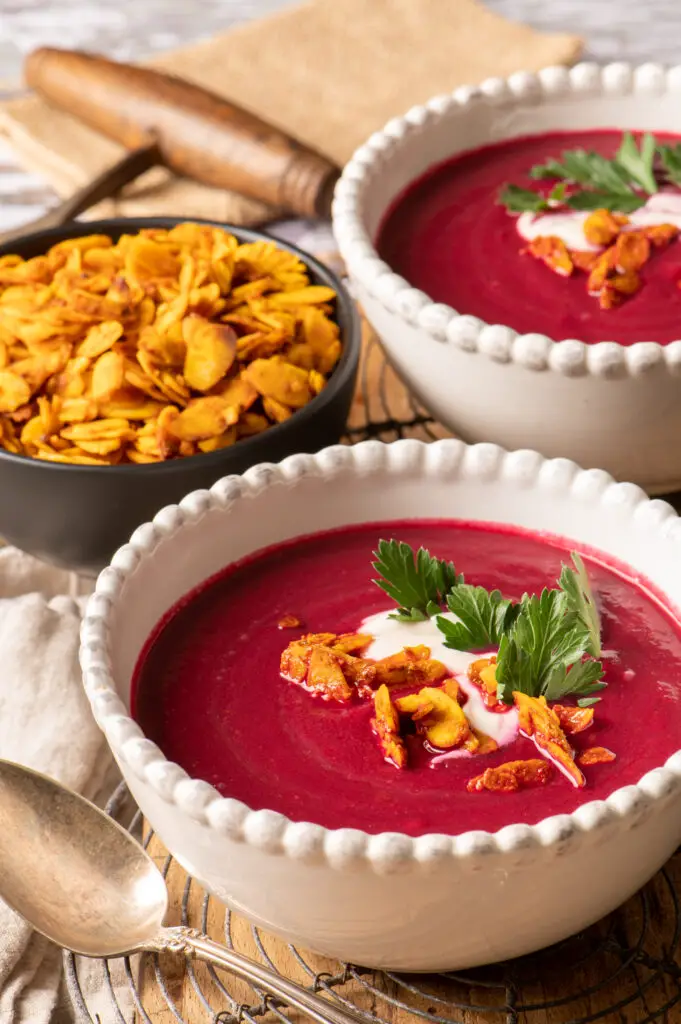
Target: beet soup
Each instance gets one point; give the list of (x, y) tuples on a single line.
[(209, 689), (491, 232)]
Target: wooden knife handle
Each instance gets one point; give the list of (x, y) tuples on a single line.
[(199, 134)]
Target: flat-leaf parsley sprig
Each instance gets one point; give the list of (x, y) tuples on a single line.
[(417, 583), (484, 617), (581, 602), (590, 181), (546, 653), (548, 644)]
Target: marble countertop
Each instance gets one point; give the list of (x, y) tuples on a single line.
[(130, 29)]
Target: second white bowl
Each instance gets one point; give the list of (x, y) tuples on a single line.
[(602, 404)]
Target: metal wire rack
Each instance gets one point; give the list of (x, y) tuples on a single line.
[(627, 969)]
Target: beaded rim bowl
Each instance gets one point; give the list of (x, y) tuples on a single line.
[(451, 359), (187, 543)]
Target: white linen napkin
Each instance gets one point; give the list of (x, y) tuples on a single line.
[(45, 723)]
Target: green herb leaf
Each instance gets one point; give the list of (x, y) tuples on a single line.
[(521, 200), (417, 583), (587, 702), (484, 617), (544, 642), (604, 184), (582, 678), (605, 201), (543, 652), (539, 630), (596, 171), (514, 671), (671, 161), (551, 169), (557, 193), (581, 602), (589, 169), (638, 164)]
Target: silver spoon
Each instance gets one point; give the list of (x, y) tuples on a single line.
[(81, 880)]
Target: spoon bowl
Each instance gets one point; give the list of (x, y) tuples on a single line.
[(76, 875)]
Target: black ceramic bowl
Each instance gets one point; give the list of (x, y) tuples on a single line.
[(77, 516)]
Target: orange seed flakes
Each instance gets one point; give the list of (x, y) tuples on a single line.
[(603, 266), (573, 720), (617, 288), (289, 622), (14, 391), (554, 252), (541, 723), (190, 337), (602, 227), (325, 675), (483, 672), (320, 663), (596, 755), (660, 235), (438, 715), (632, 251), (386, 726), (584, 260), (480, 743), (613, 269), (510, 777), (210, 351), (409, 667)]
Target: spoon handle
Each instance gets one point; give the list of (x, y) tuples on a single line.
[(322, 1011), (105, 185)]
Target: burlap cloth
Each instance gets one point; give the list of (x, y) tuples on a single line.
[(329, 72)]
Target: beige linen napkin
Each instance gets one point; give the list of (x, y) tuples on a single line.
[(45, 723), (329, 72)]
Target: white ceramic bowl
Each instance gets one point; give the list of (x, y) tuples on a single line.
[(431, 903), (603, 404)]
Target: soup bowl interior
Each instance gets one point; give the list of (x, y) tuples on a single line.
[(385, 900), (76, 516)]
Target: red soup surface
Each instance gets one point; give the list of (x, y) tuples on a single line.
[(208, 689), (447, 235)]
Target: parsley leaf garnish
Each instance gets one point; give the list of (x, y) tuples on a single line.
[(484, 617), (590, 169), (547, 643), (581, 603), (418, 583), (638, 163), (542, 654), (557, 195), (522, 200), (605, 201), (526, 659), (586, 702), (582, 678), (622, 183), (551, 169)]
